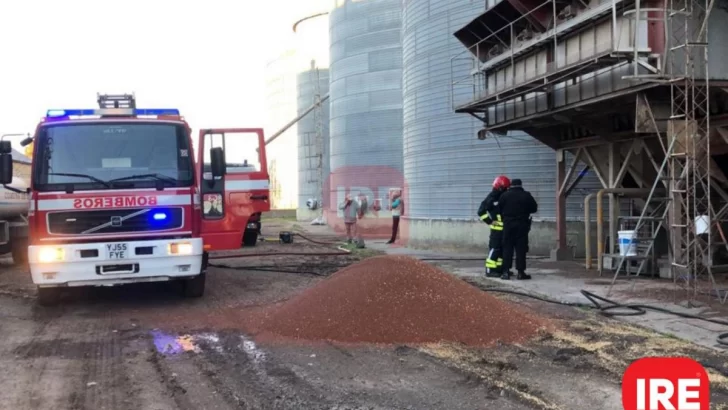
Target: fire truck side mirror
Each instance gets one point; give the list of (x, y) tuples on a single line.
[(217, 162), (5, 147), (6, 169)]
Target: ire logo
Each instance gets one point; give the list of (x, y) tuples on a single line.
[(665, 383)]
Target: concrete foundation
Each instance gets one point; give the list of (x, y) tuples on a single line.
[(280, 213), (473, 236), (306, 215)]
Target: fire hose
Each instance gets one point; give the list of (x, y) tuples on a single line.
[(611, 308), (339, 251), (602, 305)]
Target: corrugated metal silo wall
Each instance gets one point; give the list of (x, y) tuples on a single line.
[(447, 169), (366, 104), (310, 182)]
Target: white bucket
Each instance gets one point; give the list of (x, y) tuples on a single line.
[(627, 243), (702, 224)]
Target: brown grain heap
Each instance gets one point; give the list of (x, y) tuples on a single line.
[(397, 299)]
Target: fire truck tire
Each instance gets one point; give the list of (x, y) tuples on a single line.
[(19, 250), (195, 287), (49, 296), (250, 238)]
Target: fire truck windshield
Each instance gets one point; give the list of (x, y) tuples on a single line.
[(112, 155)]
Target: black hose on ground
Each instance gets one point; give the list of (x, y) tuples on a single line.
[(336, 251), (264, 269), (611, 308)]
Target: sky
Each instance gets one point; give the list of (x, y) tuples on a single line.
[(205, 58)]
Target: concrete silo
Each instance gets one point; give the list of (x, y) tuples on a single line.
[(366, 106)]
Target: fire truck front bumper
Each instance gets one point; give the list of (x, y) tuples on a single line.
[(115, 263)]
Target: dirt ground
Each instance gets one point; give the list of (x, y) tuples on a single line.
[(145, 347)]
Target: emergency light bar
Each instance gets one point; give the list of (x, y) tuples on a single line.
[(125, 112)]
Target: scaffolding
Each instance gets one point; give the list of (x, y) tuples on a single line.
[(688, 210)]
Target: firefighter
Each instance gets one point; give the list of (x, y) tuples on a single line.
[(489, 212), (516, 206)]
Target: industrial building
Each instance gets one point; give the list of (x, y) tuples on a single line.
[(637, 90), (281, 106), (391, 124), (296, 79), (602, 108), (366, 106), (447, 169)]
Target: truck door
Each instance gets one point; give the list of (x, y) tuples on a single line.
[(234, 184)]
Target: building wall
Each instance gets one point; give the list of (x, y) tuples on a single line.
[(449, 171), (366, 103)]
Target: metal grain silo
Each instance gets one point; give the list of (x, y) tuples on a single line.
[(280, 109), (366, 105), (447, 169), (312, 79)]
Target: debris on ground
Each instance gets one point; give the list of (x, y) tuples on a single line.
[(396, 299)]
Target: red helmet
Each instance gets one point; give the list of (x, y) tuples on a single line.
[(501, 182)]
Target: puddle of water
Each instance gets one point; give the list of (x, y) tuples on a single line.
[(168, 344)]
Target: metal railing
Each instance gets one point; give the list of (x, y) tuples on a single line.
[(475, 60)]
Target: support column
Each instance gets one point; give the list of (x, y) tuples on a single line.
[(614, 166), (561, 253)]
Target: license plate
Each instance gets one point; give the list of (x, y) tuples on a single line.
[(117, 250)]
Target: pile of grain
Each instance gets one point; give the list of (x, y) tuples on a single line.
[(396, 299)]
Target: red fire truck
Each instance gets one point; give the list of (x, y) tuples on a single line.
[(117, 196)]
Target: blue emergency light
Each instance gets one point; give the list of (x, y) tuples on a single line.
[(112, 111), (160, 216)]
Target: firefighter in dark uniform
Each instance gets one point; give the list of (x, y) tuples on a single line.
[(489, 212), (516, 206)]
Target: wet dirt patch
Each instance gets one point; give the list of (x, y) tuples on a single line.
[(589, 355)]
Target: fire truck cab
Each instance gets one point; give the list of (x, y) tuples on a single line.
[(118, 195)]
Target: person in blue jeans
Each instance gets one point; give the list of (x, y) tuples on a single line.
[(397, 206)]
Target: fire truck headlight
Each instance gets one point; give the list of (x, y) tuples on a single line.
[(50, 255), (179, 248)]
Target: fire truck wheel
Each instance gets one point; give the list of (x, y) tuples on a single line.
[(195, 287), (48, 296), (250, 238)]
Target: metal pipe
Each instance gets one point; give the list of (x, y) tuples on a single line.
[(600, 216), (587, 230), (295, 120)]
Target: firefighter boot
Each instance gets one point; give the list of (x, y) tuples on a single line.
[(523, 276), (491, 269), (506, 276)]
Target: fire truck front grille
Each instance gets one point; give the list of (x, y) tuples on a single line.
[(111, 221)]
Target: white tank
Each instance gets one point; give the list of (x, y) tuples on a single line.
[(13, 204)]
